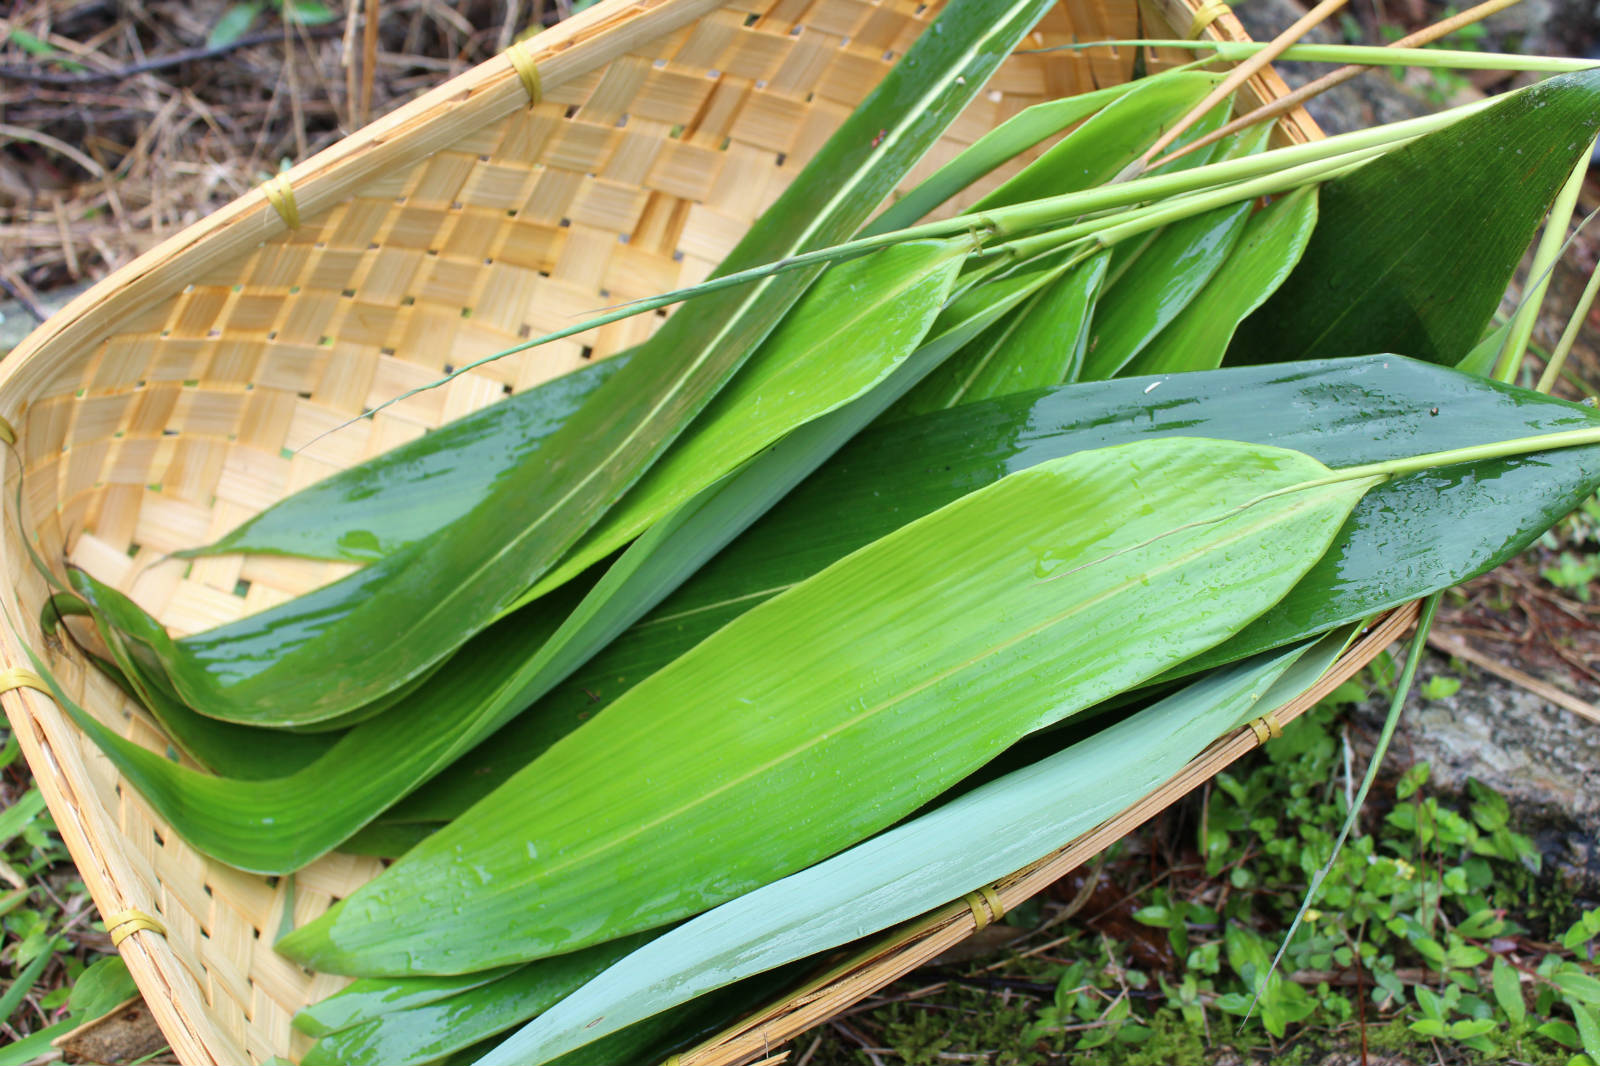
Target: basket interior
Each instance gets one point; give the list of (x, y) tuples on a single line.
[(193, 393)]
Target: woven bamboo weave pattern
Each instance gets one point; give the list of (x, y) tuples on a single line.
[(191, 389)]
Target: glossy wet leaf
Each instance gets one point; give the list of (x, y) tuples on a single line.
[(1114, 136), (1173, 268), (278, 824), (1271, 245), (1414, 250), (347, 644), (854, 327), (1401, 542), (407, 493), (221, 747), (371, 998), (999, 614), (1408, 538), (922, 863), (420, 1033), (1039, 344)]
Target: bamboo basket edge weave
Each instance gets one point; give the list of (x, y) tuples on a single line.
[(177, 994)]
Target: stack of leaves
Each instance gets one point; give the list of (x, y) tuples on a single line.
[(903, 552)]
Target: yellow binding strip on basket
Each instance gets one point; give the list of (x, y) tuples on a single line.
[(521, 57), (7, 434), (16, 677), (1266, 728), (1205, 15), (986, 906), (280, 194), (123, 924)]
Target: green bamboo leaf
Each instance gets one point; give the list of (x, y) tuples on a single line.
[(925, 862), (1408, 538), (1483, 356), (347, 644), (221, 747), (370, 998), (1115, 135), (407, 493), (1048, 344), (1373, 279), (1168, 274), (1036, 345), (878, 308), (994, 149), (277, 825), (1273, 241), (881, 305), (964, 633), (421, 1033)]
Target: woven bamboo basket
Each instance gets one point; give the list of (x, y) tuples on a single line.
[(619, 154)]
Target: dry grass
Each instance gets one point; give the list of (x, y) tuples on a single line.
[(119, 125)]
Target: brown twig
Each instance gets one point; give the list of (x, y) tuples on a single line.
[(1238, 76), (1451, 644), (1284, 104)]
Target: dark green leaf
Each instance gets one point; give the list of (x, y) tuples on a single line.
[(1414, 250), (1270, 246)]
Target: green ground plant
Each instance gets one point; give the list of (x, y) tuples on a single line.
[(1436, 937)]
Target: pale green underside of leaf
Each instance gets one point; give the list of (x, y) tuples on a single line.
[(934, 648), (926, 862)]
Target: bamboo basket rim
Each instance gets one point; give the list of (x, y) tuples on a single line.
[(482, 95)]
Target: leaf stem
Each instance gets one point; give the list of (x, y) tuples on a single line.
[(1408, 675), (1570, 438), (1361, 55)]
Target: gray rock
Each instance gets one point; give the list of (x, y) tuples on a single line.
[(1544, 759)]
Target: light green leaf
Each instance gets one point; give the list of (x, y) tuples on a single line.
[(999, 614), (924, 863), (407, 493), (421, 1033), (1508, 991), (20, 814), (1170, 272), (1115, 135), (877, 309), (1271, 245), (234, 24)]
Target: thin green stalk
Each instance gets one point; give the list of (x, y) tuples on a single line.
[(1569, 335), (1112, 229), (1544, 260), (1359, 54), (1003, 222), (1407, 676), (1503, 449)]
